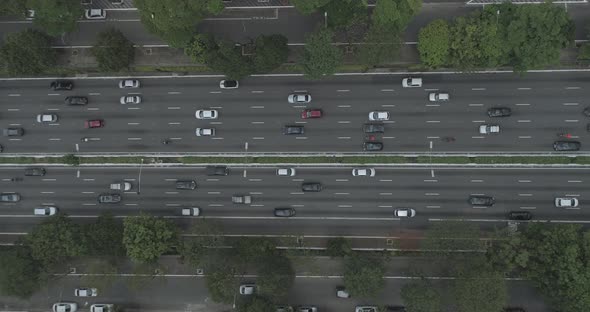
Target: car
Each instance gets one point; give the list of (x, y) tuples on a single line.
[(566, 202), (95, 14), (190, 212), (489, 129), (46, 118), (206, 114), (412, 82), (299, 98), (311, 113), (284, 308), (341, 292), (94, 123), (120, 186), (286, 172), (58, 85), (293, 130), (566, 146), (499, 112), (29, 14), (186, 184), (8, 132), (307, 309), (520, 215), (109, 198), (35, 172), (373, 128), (9, 197), (404, 213), (586, 111), (86, 292), (76, 100), (229, 84), (363, 172), (365, 309), (311, 187), (102, 307), (372, 146), (129, 84), (480, 200), (65, 307), (247, 289), (217, 170), (438, 97), (284, 212), (241, 199), (45, 211), (378, 116), (130, 99), (205, 131)]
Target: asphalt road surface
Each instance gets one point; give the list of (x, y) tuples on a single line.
[(252, 117)]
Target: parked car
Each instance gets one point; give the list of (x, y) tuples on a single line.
[(293, 130), (566, 202), (363, 172), (205, 131), (566, 146), (299, 98), (35, 172), (190, 212), (120, 186), (94, 123), (365, 309), (479, 200), (109, 198), (307, 309), (217, 170), (404, 213), (76, 100), (65, 307), (130, 99), (489, 129), (373, 128), (8, 132), (412, 82), (93, 14), (311, 113), (520, 215), (499, 112), (206, 114), (9, 197), (46, 118), (284, 308), (379, 116), (438, 97), (286, 172), (229, 84), (29, 14), (45, 211), (102, 307), (284, 212), (58, 85), (372, 146), (247, 289), (129, 84), (241, 199), (186, 185), (341, 292), (86, 292), (311, 187)]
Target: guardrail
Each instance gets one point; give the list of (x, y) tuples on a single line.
[(299, 154)]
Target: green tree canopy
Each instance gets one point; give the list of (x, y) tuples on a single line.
[(275, 276), (363, 275), (19, 272), (252, 249), (113, 51), (175, 20), (57, 16), (345, 13), (12, 7), (320, 56), (55, 240), (200, 250), (146, 237), (105, 237), (220, 281), (338, 247), (228, 59), (200, 48), (434, 43), (309, 6), (271, 52), (27, 53), (421, 296), (257, 304), (395, 14), (381, 45), (478, 287)]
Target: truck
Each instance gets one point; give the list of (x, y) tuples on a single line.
[(241, 199)]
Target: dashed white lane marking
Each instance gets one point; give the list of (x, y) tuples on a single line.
[(54, 124), (53, 109), (385, 194), (256, 205), (257, 91), (297, 180), (301, 138), (525, 194), (478, 121), (298, 205), (173, 107), (479, 207), (13, 109), (522, 104), (216, 122), (214, 92), (383, 180), (213, 193), (133, 139), (343, 90), (258, 138), (344, 106), (478, 89), (387, 90), (14, 139), (571, 104), (388, 105), (54, 139), (47, 192), (93, 109), (341, 193), (388, 137), (432, 121), (524, 181), (571, 120), (212, 180), (49, 180), (301, 122), (257, 122), (88, 204), (476, 181), (88, 180), (257, 107), (343, 138), (344, 122), (341, 180), (525, 137), (53, 94), (523, 120), (131, 204), (385, 206), (572, 88), (217, 138), (170, 180), (432, 207), (215, 205), (14, 94), (173, 92), (431, 194), (523, 88), (132, 108), (256, 193), (15, 124), (344, 206), (432, 105), (216, 107), (93, 93), (572, 195), (300, 91), (476, 104), (574, 181), (528, 207), (296, 193), (174, 123), (172, 205), (576, 208), (133, 123), (430, 180), (433, 137), (478, 137), (254, 180)]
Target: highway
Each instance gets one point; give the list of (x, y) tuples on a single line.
[(251, 118)]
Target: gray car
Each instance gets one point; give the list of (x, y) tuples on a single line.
[(9, 197), (284, 212), (8, 132), (311, 187), (186, 185), (35, 172), (107, 198), (293, 130)]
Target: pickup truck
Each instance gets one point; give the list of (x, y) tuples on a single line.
[(241, 199), (121, 186)]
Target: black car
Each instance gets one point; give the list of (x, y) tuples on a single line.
[(186, 185), (374, 128), (284, 212), (107, 198), (289, 130), (76, 100), (61, 85), (566, 146), (217, 170), (372, 146), (520, 215), (13, 132), (586, 111), (311, 187), (35, 172), (499, 112), (476, 200)]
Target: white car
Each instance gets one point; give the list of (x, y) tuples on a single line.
[(102, 307), (404, 212), (191, 212), (566, 202), (378, 116), (488, 129), (412, 82), (363, 172), (229, 84), (120, 186), (65, 307), (206, 114), (205, 131), (129, 84), (365, 309), (95, 14), (247, 289), (299, 98), (86, 292), (286, 172), (45, 211), (130, 99), (438, 97), (45, 118)]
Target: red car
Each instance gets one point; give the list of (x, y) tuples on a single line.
[(95, 123), (311, 113)]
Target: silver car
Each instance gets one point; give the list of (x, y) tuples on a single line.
[(95, 14), (46, 118), (363, 172), (566, 202), (299, 98), (205, 131), (286, 172), (130, 99), (129, 84)]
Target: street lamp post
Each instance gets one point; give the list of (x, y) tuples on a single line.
[(139, 178), (326, 19)]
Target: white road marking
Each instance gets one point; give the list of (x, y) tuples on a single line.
[(387, 90), (258, 138), (301, 138), (432, 137), (53, 109), (344, 106), (383, 180), (297, 180), (300, 91), (478, 121), (14, 94), (524, 181), (528, 207), (133, 123), (571, 104), (88, 204), (15, 124), (301, 122), (93, 108), (431, 170), (255, 91), (431, 194), (344, 122), (212, 180), (344, 206), (523, 88), (476, 181), (574, 181), (132, 204), (296, 193), (54, 139), (215, 205), (571, 120), (432, 207), (572, 195), (214, 92), (173, 92), (47, 192), (343, 90), (170, 180), (525, 194), (343, 138), (256, 107), (172, 205), (432, 105), (388, 105), (432, 121), (430, 180), (522, 104), (133, 108), (216, 122), (13, 109), (95, 93), (341, 193), (341, 180), (254, 180), (572, 88), (133, 139), (385, 206), (174, 123), (478, 89), (213, 193), (14, 139), (53, 94), (216, 138), (257, 122), (385, 194), (171, 193), (479, 207), (88, 180), (298, 205), (478, 137), (388, 137), (256, 205), (49, 180), (256, 193), (173, 107), (475, 104), (525, 137), (523, 120)]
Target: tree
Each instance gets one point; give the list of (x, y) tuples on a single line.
[(221, 282), (105, 237), (309, 6), (19, 272), (27, 53), (338, 247), (434, 44), (320, 57), (175, 20), (252, 249), (380, 45), (113, 51), (475, 43), (56, 17), (395, 14), (12, 7), (228, 59), (146, 237), (344, 13), (200, 48), (102, 273), (275, 276), (363, 275), (55, 240), (271, 52), (421, 296), (257, 304), (478, 287), (201, 248)]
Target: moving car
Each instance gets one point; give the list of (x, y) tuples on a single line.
[(411, 82), (130, 99), (284, 212), (94, 123), (13, 132), (566, 202), (404, 212), (86, 292), (229, 84), (499, 112), (247, 289), (205, 131), (58, 85), (438, 97), (35, 172), (566, 146), (95, 14), (206, 114), (190, 212), (120, 186), (186, 185), (299, 98), (311, 113), (363, 172), (586, 111), (217, 170), (480, 200), (76, 100), (286, 172), (46, 118), (341, 292), (109, 198), (378, 116), (45, 211), (373, 128), (307, 309), (293, 130), (9, 197), (365, 309), (102, 307), (311, 187), (489, 129), (241, 199), (65, 307), (520, 215), (372, 146), (129, 84)]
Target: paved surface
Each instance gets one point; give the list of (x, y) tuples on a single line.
[(252, 117)]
